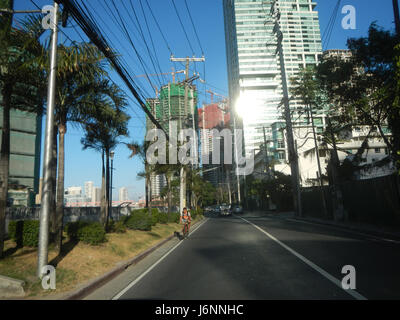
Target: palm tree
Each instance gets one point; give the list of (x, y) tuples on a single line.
[(79, 73), (22, 80), (149, 170), (103, 129)]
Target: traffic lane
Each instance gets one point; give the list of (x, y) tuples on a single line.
[(377, 263), (228, 259)]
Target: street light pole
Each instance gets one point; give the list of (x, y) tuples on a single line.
[(46, 195), (110, 192)]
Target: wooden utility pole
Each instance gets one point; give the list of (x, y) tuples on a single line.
[(187, 60)]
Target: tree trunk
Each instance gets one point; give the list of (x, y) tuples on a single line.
[(4, 162), (62, 128), (103, 203), (53, 187), (149, 191), (107, 187), (169, 195), (146, 188)]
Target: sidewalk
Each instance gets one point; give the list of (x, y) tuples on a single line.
[(384, 232)]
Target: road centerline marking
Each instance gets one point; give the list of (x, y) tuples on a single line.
[(328, 276), (121, 293)]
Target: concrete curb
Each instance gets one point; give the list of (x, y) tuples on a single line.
[(96, 283), (388, 235), (11, 288)]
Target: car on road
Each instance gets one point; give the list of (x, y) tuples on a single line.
[(237, 208), (224, 210), (216, 209)]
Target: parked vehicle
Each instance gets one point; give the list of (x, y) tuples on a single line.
[(237, 209)]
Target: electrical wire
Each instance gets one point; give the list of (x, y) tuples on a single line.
[(93, 32), (183, 27)]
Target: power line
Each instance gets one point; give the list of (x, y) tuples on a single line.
[(158, 26), (183, 27), (326, 37), (194, 28), (151, 39), (93, 33)]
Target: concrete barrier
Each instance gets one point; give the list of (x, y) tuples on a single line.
[(11, 288)]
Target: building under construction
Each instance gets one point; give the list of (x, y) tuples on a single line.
[(172, 105)]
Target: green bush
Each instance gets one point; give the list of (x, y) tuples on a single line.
[(155, 216), (117, 226), (92, 233), (139, 220), (88, 232), (163, 218), (24, 232), (72, 228), (175, 216)]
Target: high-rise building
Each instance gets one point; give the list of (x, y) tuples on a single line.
[(89, 185), (123, 194), (254, 73), (96, 195), (73, 197), (213, 116), (25, 139)]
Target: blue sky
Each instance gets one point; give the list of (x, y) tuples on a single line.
[(81, 166)]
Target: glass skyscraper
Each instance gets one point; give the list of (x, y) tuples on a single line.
[(254, 74)]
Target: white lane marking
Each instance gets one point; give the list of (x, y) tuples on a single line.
[(367, 236), (351, 292), (119, 295)]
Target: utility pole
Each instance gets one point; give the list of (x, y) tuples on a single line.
[(46, 196), (318, 162), (265, 152), (289, 129), (299, 208), (237, 158), (182, 194), (396, 16), (336, 179)]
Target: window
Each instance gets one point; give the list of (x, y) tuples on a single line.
[(281, 144), (281, 155), (377, 150)]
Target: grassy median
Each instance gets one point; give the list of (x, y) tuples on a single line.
[(80, 262)]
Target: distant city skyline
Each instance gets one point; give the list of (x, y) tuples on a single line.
[(97, 189)]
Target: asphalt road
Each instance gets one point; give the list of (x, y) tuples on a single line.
[(244, 257)]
